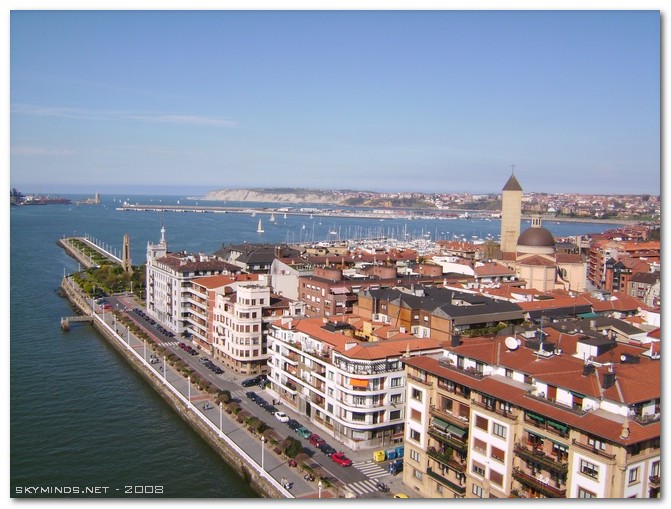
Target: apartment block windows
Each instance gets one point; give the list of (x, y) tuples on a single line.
[(583, 493), (481, 422), (499, 430), (589, 469), (478, 469), (415, 435), (496, 477), (477, 491), (416, 394), (415, 456), (498, 454), (479, 445), (596, 443), (397, 382), (415, 415), (633, 475)]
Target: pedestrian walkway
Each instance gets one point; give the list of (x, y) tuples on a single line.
[(362, 487), (170, 343), (371, 469)]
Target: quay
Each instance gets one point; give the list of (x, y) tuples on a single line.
[(67, 243), (67, 320), (235, 455)]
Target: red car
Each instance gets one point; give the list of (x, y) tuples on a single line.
[(316, 440), (341, 459)]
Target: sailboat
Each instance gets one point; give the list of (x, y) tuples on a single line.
[(272, 217), (260, 228), (285, 215)]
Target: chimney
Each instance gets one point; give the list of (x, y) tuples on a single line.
[(455, 340), (588, 369), (608, 380)]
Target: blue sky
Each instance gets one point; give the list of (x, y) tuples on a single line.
[(444, 101)]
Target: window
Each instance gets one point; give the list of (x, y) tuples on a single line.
[(596, 443), (506, 406), (496, 477), (478, 469), (509, 373), (416, 394), (415, 415), (498, 454), (633, 475), (654, 471), (415, 435), (477, 491), (395, 399), (397, 382), (498, 430), (481, 422), (589, 469), (479, 445), (417, 474), (583, 493), (415, 456), (358, 416)]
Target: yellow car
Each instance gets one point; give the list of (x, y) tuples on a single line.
[(401, 495)]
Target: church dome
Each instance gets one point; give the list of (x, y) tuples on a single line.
[(536, 237)]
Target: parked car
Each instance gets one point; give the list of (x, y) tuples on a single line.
[(341, 459), (293, 424), (281, 416), (401, 495), (316, 440), (251, 395), (326, 449), (304, 432), (251, 381)]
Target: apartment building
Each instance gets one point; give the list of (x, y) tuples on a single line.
[(519, 417), (169, 277), (241, 319), (351, 388), (435, 311)]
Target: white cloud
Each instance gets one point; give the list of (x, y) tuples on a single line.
[(120, 116)]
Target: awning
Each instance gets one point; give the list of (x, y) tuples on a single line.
[(340, 290), (457, 432), (440, 424), (535, 417), (558, 425), (357, 382)]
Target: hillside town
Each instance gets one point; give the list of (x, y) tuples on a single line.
[(525, 368)]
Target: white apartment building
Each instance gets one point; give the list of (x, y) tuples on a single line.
[(240, 325), (169, 277), (351, 388)]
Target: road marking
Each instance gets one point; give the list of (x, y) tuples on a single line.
[(370, 469), (363, 487)]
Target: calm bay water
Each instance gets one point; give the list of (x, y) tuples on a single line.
[(79, 415)]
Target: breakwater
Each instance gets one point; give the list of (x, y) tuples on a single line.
[(224, 446)]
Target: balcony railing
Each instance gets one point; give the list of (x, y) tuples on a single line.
[(460, 490), (472, 372), (547, 426), (449, 462), (495, 409), (548, 463), (538, 486), (593, 450), (654, 481), (448, 439), (449, 416), (423, 381)]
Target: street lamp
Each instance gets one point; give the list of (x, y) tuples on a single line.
[(320, 486), (164, 370), (144, 349), (189, 388), (263, 441), (220, 416)]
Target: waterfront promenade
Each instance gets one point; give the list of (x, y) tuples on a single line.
[(255, 460)]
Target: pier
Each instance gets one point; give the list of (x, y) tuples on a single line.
[(67, 320), (85, 258)]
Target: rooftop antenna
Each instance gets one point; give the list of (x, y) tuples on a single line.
[(512, 168)]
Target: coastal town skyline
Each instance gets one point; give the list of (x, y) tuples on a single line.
[(439, 101)]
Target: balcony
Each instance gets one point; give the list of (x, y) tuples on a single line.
[(459, 490), (545, 424), (654, 481), (447, 415), (448, 461), (538, 486), (549, 463), (449, 439), (472, 372), (422, 381), (593, 450), (495, 409)]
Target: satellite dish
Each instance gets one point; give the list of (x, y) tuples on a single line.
[(511, 343), (623, 358)]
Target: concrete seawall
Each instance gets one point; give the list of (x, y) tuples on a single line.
[(247, 470)]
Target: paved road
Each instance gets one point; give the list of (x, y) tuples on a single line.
[(360, 479)]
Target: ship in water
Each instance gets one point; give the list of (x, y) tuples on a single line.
[(18, 198)]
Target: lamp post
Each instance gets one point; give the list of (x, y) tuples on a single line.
[(144, 349), (320, 486), (263, 441), (164, 370), (220, 417), (189, 388)]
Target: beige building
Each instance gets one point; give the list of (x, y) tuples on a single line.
[(517, 417)]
